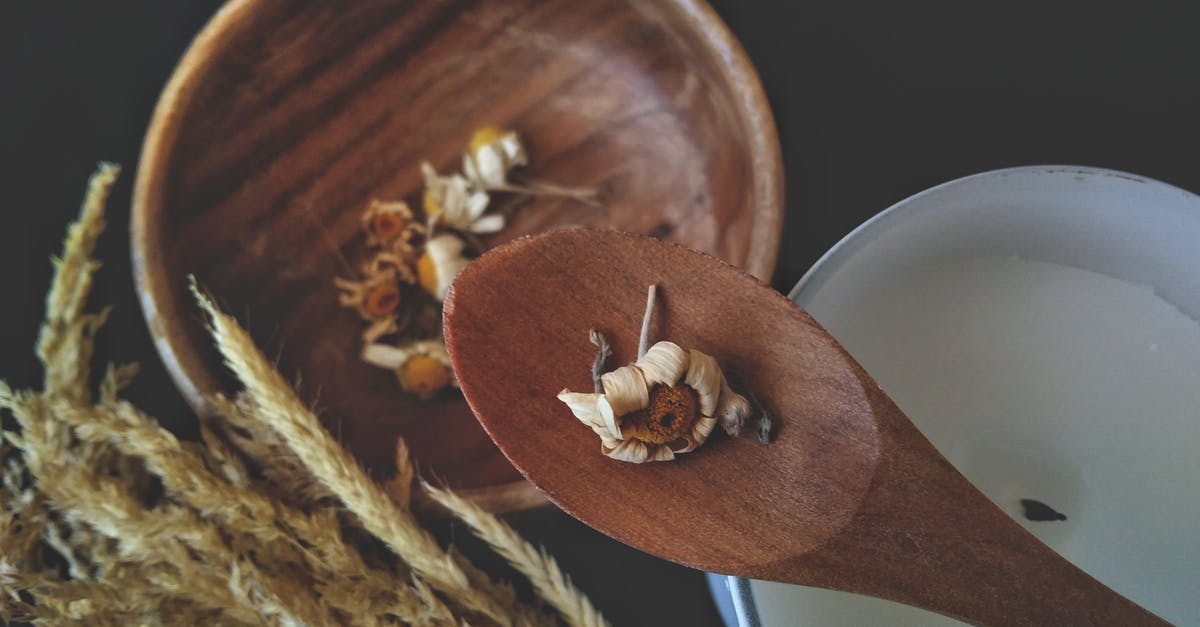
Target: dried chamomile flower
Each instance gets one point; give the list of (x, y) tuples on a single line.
[(375, 297), (453, 202), (431, 252), (441, 261), (491, 154), (664, 404), (422, 367), (388, 222)]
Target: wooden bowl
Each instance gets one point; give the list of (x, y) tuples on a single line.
[(285, 118)]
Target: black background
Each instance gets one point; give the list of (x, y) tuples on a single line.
[(874, 101)]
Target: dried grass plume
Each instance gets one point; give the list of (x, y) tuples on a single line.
[(106, 518)]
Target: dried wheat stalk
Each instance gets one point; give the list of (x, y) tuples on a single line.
[(108, 519), (543, 572)]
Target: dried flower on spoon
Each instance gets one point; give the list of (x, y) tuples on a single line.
[(666, 403)]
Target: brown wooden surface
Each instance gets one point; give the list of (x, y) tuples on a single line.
[(849, 496), (286, 117)]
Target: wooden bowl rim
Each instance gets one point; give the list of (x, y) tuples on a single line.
[(166, 322)]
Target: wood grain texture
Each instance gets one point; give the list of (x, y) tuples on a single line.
[(849, 496), (286, 117)]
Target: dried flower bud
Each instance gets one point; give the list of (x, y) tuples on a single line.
[(492, 153), (452, 201), (732, 410)]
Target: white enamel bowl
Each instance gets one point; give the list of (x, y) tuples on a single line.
[(1039, 325)]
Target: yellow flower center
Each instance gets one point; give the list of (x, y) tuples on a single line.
[(484, 137), (423, 375), (382, 300), (432, 205), (427, 274), (672, 412), (387, 226)]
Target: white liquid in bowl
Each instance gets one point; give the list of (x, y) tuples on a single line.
[(1037, 380)]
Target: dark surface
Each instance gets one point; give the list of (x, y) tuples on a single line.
[(874, 101)]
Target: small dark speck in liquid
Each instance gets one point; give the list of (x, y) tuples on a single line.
[(1038, 511)]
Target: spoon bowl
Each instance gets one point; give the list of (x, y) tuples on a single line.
[(848, 496)]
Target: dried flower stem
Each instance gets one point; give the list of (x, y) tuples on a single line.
[(532, 187), (603, 352), (647, 319), (541, 569)]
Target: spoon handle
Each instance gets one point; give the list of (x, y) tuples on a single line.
[(926, 537)]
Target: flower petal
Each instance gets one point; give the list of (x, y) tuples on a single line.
[(485, 167), (469, 170), (698, 436), (732, 409), (584, 406), (385, 355), (476, 204), (661, 453), (488, 224), (630, 451), (609, 418), (704, 376), (431, 176), (702, 429), (446, 253), (457, 202), (664, 363), (607, 442), (625, 390), (513, 151)]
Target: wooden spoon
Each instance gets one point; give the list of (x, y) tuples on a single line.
[(849, 495)]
